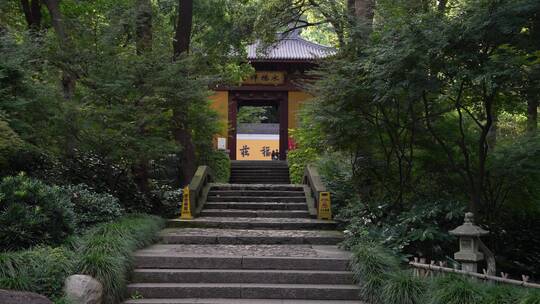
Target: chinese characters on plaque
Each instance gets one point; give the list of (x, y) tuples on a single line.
[(266, 78), (257, 149)]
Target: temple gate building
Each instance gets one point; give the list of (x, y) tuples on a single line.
[(273, 88)]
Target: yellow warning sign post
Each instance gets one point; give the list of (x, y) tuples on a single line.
[(186, 207), (325, 206)]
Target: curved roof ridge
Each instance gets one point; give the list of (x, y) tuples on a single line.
[(292, 47)]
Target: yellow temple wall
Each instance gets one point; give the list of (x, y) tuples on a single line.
[(219, 102), (296, 98)]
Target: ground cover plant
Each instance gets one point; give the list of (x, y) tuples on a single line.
[(103, 252)]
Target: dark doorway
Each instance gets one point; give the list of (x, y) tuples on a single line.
[(261, 107)]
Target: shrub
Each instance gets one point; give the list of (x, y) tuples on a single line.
[(298, 159), (32, 213), (371, 264), (221, 164), (450, 289), (105, 176), (403, 288), (105, 252), (502, 294), (9, 143), (42, 270), (91, 207), (170, 199), (532, 297)]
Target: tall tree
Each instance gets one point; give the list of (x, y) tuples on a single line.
[(32, 14), (181, 128), (532, 115), (57, 19), (143, 29), (143, 25)]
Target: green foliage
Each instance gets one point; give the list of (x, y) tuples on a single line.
[(221, 165), (455, 290), (32, 213), (42, 270), (10, 143), (403, 288), (253, 114), (306, 152), (298, 159), (91, 208), (371, 264), (502, 294), (105, 251), (382, 280), (105, 176), (532, 297)]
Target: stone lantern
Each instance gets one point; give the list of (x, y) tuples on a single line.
[(469, 238)]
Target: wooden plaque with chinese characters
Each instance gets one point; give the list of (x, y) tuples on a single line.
[(266, 78)]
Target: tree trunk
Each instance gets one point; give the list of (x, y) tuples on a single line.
[(364, 11), (532, 115), (141, 176), (143, 26), (143, 21), (32, 14), (68, 79), (182, 37), (441, 7), (181, 130), (492, 133), (361, 18)]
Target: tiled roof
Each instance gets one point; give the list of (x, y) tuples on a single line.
[(292, 47)]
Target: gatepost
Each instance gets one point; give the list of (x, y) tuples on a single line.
[(325, 207), (186, 206)]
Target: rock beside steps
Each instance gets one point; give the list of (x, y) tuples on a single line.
[(253, 243)]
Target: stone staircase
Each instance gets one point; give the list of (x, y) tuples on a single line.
[(259, 172), (252, 243)]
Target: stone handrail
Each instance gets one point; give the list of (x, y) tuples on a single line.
[(313, 180), (199, 187)]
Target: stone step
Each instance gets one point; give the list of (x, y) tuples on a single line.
[(253, 223), (258, 169), (252, 199), (237, 301), (245, 291), (256, 206), (259, 177), (270, 257), (255, 193), (259, 173), (255, 182), (241, 276), (258, 163), (249, 237), (255, 213), (269, 187)]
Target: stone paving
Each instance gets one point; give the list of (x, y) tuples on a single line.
[(320, 251), (250, 232), (278, 255)]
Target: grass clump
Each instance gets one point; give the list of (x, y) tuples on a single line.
[(371, 265), (105, 252), (403, 288), (532, 297), (450, 289), (42, 270)]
